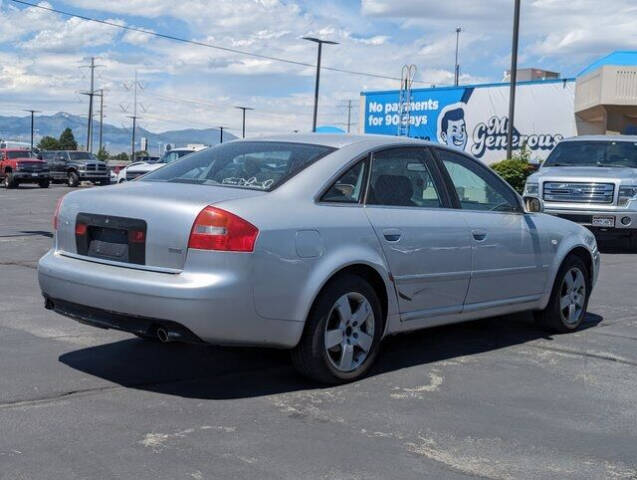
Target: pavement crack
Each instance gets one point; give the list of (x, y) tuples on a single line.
[(599, 356), (19, 264)]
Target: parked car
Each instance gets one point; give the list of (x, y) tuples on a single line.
[(72, 167), (22, 166), (137, 169), (322, 244), (591, 180)]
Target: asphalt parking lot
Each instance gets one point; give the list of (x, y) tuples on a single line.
[(496, 398)]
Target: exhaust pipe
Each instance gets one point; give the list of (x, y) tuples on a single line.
[(162, 335), (166, 336)]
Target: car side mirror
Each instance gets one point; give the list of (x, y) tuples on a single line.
[(533, 204)]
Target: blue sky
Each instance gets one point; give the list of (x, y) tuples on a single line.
[(190, 86)]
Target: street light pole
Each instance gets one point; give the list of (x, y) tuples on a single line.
[(457, 66), (514, 77), (318, 73), (32, 114), (221, 134), (243, 109)]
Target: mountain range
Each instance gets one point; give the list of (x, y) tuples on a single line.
[(115, 139)]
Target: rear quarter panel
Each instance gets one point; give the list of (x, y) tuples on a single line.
[(301, 245)]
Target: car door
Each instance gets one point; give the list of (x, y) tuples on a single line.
[(426, 244), (507, 264), (59, 165)]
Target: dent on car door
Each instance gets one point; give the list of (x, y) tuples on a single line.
[(507, 264), (426, 245)]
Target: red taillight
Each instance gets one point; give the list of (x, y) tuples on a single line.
[(57, 213), (136, 236), (216, 229), (80, 229)]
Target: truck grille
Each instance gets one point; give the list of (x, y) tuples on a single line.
[(579, 192)]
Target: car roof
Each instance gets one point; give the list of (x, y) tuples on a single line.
[(602, 138), (337, 140)]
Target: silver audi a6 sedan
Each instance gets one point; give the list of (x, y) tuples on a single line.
[(316, 243)]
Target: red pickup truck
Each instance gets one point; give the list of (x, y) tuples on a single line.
[(21, 166)]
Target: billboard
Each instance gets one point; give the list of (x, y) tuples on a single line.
[(475, 118)]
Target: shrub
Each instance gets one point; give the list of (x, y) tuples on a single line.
[(514, 171)]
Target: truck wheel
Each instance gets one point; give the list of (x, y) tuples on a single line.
[(569, 299), (104, 182), (632, 242), (9, 181), (44, 183), (342, 333), (72, 180)]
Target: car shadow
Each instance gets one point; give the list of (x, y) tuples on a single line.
[(215, 373), (614, 244)]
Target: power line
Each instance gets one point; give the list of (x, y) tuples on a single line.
[(204, 44)]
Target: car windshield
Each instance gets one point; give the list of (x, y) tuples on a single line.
[(82, 156), (20, 154), (593, 154), (253, 165), (173, 155)]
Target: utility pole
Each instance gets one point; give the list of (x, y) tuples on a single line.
[(32, 114), (101, 118), (134, 116), (243, 109), (514, 77), (318, 74), (221, 134), (91, 93), (457, 65), (349, 115)]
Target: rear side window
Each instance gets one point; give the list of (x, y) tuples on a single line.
[(251, 165), (350, 187), (401, 177)]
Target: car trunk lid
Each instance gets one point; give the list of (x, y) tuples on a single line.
[(142, 224)]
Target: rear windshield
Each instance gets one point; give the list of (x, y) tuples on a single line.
[(253, 165), (593, 154), (19, 154)]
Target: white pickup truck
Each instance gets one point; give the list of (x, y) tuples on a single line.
[(591, 180)]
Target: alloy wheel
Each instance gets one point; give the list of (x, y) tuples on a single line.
[(349, 332), (572, 296)]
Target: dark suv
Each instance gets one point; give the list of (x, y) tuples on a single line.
[(74, 167)]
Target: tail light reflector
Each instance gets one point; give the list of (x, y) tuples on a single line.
[(216, 229)]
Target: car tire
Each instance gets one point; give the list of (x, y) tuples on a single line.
[(348, 315), (72, 179), (9, 181), (44, 183), (569, 298)]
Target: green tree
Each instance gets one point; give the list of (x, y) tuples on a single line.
[(120, 156), (67, 140), (49, 143), (102, 154)]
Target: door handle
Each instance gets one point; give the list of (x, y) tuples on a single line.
[(479, 235), (392, 234)]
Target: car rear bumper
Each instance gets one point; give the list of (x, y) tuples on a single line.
[(217, 308)]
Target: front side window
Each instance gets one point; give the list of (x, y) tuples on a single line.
[(82, 156), (476, 186), (13, 154), (350, 186), (401, 177), (252, 165)]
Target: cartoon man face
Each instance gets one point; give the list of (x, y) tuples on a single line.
[(454, 129)]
